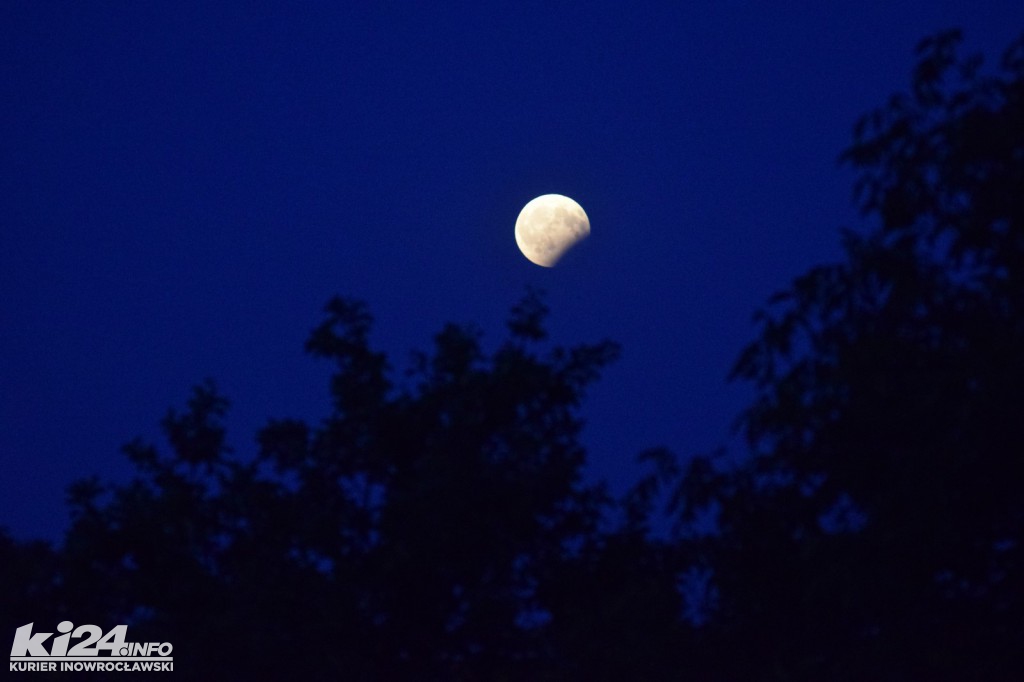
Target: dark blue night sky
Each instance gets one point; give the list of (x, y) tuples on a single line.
[(183, 185)]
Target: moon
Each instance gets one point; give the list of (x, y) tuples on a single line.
[(549, 226)]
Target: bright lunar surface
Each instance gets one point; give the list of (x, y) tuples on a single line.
[(549, 226)]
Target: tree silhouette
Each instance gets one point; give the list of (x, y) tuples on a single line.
[(435, 527), (875, 530)]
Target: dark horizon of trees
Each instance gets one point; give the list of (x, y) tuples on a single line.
[(435, 525)]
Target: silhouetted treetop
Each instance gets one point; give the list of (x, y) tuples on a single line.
[(434, 525), (876, 531)]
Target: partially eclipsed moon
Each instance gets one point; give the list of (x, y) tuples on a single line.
[(549, 226)]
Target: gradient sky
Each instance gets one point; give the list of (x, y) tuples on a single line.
[(184, 184)]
